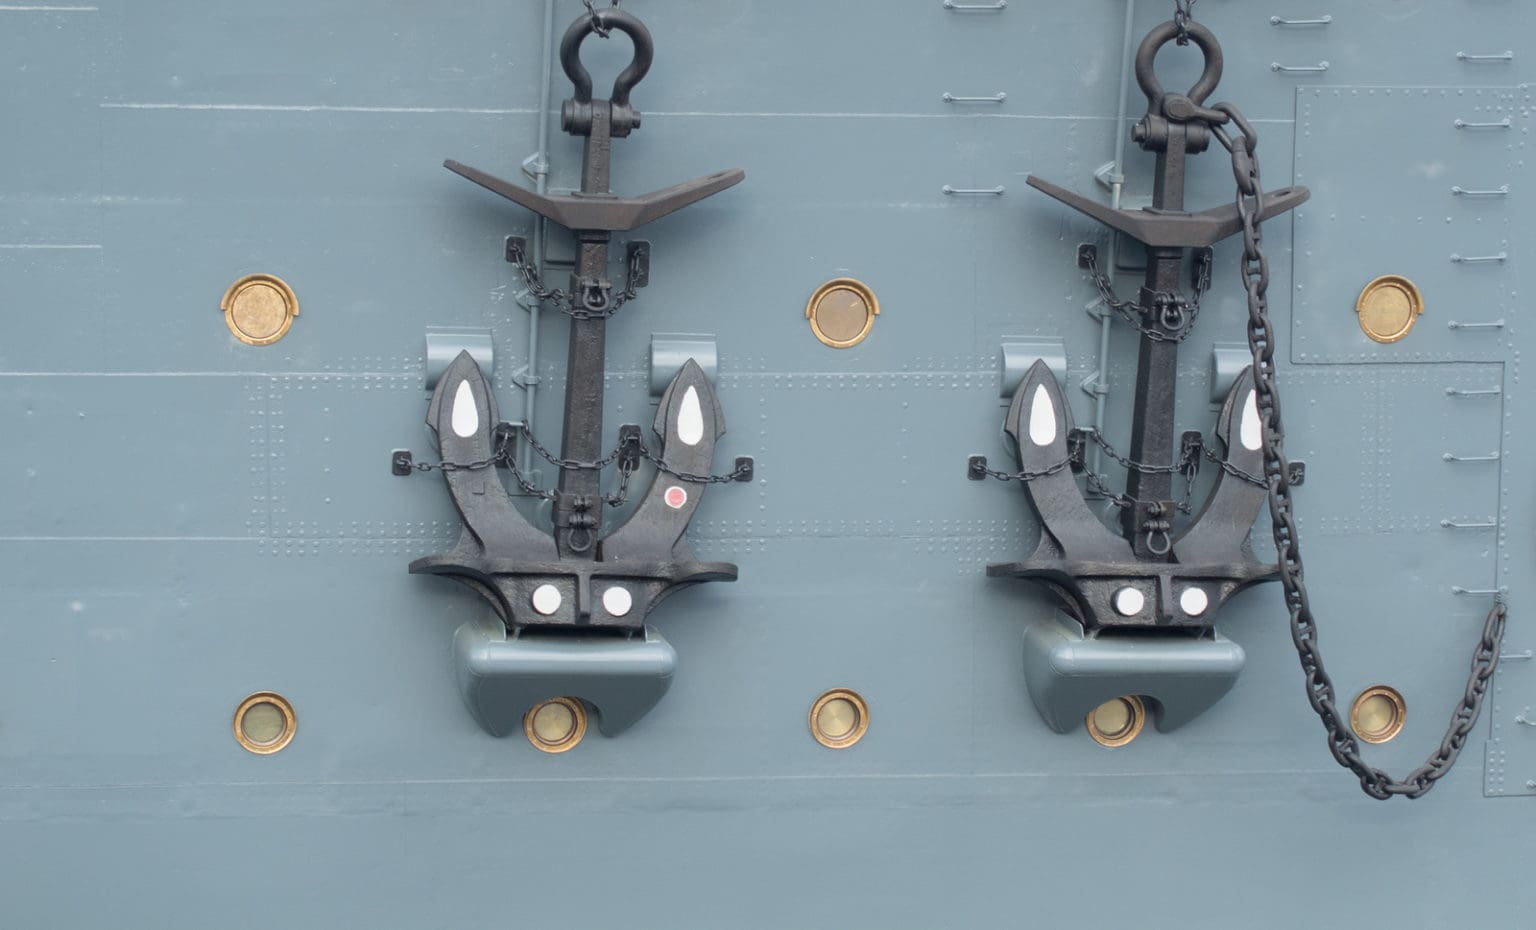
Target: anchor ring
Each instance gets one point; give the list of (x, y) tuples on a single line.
[(1166, 547), (1146, 61), (610, 19), (584, 535)]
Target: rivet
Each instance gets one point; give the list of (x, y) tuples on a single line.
[(839, 718), (265, 723), (259, 309), (546, 599), (617, 601), (1194, 601), (1117, 721), (1129, 601), (555, 725)]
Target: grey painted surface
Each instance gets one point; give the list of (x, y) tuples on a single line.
[(189, 520)]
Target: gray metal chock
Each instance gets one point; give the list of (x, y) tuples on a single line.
[(501, 677), (1068, 674)]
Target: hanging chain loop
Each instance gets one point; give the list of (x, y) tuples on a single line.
[(1176, 312), (627, 455), (1277, 475), (569, 303)]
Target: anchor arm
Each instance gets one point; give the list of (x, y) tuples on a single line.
[(1177, 230), (596, 213)]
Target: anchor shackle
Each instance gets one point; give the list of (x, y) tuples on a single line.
[(576, 113), (1187, 109)]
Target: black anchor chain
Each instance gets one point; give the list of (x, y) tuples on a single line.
[(1277, 473)]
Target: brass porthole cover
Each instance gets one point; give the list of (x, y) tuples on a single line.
[(839, 718), (842, 312), (265, 723), (1378, 714), (555, 725), (1117, 721), (259, 309), (1388, 308)]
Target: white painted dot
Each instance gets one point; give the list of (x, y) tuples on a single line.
[(1251, 432), (1129, 602), (690, 418), (466, 417), (1042, 418), (546, 599), (1194, 601), (617, 601)]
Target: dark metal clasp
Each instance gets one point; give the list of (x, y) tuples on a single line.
[(1146, 66), (576, 113)]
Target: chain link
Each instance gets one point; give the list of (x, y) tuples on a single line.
[(1173, 310), (1277, 475), (1183, 13), (1023, 475), (597, 21), (567, 302)]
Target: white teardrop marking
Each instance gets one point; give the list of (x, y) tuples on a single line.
[(466, 417), (690, 418), (1042, 418), (1250, 432)]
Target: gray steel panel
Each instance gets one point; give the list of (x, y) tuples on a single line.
[(184, 144)]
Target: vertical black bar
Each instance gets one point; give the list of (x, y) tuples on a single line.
[(582, 436), (1157, 364)]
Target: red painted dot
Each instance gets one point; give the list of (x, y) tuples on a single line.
[(676, 497)]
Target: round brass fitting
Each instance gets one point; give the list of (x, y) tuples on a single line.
[(265, 723), (259, 309), (839, 718), (556, 725), (842, 312), (1378, 714), (1388, 308), (1117, 721)]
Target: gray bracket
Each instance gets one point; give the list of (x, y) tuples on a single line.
[(1069, 675), (1019, 354), (1228, 359), (671, 351), (501, 678), (444, 343)]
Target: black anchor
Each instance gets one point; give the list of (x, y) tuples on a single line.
[(1147, 575), (578, 577)]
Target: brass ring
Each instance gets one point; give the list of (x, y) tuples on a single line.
[(285, 735), (839, 701), (558, 742), (1388, 307), (1397, 714), (859, 290), (259, 309), (1136, 718)]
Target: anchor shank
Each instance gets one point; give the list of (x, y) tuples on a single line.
[(578, 501), (1157, 365)]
